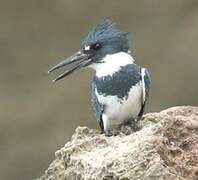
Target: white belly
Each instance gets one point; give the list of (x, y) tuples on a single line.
[(119, 111)]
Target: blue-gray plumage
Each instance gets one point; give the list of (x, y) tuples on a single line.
[(120, 88), (119, 83)]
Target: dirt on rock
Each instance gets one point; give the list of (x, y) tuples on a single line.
[(166, 148)]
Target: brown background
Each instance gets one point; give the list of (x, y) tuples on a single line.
[(38, 117)]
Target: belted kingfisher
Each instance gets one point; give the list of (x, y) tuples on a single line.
[(120, 87)]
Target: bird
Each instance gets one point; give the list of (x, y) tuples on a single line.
[(120, 87)]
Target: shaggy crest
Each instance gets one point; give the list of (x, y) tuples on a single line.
[(105, 30)]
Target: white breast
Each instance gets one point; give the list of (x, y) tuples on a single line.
[(112, 63), (117, 111)]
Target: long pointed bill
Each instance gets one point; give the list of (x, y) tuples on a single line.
[(79, 58)]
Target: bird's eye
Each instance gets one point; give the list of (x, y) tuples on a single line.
[(96, 46)]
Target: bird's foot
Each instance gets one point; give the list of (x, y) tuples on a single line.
[(113, 132), (129, 127)]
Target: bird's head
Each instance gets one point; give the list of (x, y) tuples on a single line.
[(101, 41)]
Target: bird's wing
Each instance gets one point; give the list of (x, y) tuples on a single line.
[(146, 81), (97, 107)]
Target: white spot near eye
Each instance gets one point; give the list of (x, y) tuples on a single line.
[(87, 48)]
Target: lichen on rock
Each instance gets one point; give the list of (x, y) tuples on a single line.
[(166, 148)]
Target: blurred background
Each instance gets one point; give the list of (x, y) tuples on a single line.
[(38, 117)]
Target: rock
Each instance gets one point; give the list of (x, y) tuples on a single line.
[(166, 148)]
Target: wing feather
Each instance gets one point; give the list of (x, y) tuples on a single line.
[(146, 81), (97, 107)]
